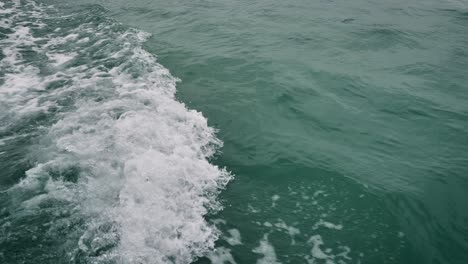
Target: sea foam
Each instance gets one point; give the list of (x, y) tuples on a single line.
[(116, 148)]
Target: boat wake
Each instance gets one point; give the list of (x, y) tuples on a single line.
[(118, 169)]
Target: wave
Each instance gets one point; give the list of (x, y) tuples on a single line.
[(120, 169)]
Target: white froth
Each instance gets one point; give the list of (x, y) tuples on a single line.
[(328, 225), (267, 250), (292, 231), (252, 209), (326, 255), (274, 198), (319, 192), (218, 221), (60, 58), (317, 252), (235, 237), (221, 255), (141, 156)]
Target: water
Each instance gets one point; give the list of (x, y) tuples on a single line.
[(328, 131)]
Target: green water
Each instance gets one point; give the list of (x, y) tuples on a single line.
[(345, 125)]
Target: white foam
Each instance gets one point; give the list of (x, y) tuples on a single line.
[(141, 156), (292, 231), (60, 58), (345, 251), (328, 225), (319, 192), (326, 255), (252, 209), (221, 255), (316, 251), (235, 238), (219, 221), (267, 250), (274, 198), (20, 92)]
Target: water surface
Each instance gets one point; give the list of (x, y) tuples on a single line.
[(345, 125)]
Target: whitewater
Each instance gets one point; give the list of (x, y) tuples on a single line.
[(117, 169)]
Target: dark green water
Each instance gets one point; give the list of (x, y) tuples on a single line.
[(345, 126)]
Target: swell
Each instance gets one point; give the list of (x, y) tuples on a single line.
[(118, 169)]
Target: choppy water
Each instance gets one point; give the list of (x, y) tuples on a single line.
[(328, 131)]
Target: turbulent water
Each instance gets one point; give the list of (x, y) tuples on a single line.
[(106, 165), (337, 132)]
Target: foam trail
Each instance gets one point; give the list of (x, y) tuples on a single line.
[(116, 148)]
